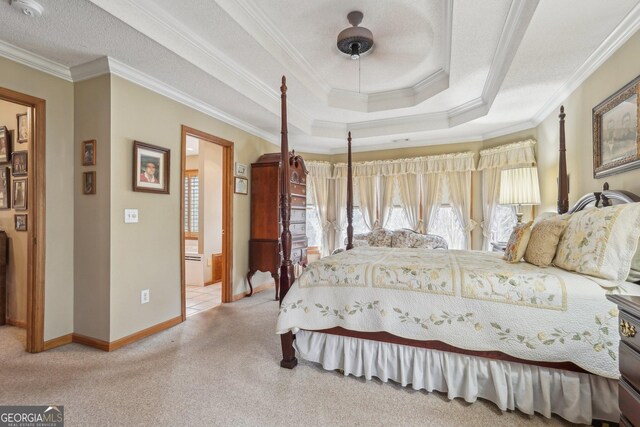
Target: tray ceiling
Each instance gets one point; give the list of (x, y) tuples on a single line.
[(441, 71)]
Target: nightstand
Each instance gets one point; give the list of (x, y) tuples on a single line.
[(629, 326), (498, 246)]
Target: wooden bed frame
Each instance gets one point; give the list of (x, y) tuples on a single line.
[(286, 270)]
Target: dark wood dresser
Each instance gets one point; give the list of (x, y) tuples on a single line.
[(629, 326), (264, 244)]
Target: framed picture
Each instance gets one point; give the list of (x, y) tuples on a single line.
[(241, 170), (21, 222), (241, 185), (19, 163), (5, 188), (89, 152), (5, 144), (19, 194), (150, 168), (89, 182), (616, 136), (23, 128)]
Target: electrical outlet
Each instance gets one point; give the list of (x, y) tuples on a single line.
[(209, 262), (144, 296), (130, 216)]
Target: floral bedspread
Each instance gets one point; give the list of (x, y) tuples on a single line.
[(468, 299)]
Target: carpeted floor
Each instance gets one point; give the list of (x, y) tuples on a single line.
[(220, 367)]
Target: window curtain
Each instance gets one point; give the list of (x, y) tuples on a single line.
[(366, 186), (431, 198), (340, 204), (320, 179), (492, 162), (387, 189), (460, 200), (409, 185)]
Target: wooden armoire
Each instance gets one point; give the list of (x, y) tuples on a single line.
[(265, 252)]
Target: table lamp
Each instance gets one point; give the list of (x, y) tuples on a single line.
[(519, 187)]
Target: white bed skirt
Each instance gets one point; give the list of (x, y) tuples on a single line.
[(577, 397)]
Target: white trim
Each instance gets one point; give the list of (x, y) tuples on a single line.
[(34, 61)]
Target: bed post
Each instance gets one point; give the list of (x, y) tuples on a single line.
[(349, 196), (289, 360), (563, 182)]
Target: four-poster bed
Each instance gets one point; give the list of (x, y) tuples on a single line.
[(504, 366)]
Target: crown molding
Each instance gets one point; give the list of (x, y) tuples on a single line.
[(623, 32), (91, 69), (34, 61)]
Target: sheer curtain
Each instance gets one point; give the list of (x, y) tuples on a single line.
[(492, 161), (460, 200), (387, 189), (430, 198), (367, 194), (320, 180), (410, 197), (340, 204)]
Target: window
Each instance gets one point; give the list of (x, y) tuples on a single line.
[(446, 225), (397, 217), (314, 228), (191, 203), (504, 219)]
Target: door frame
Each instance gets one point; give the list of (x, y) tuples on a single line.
[(227, 211), (36, 217)]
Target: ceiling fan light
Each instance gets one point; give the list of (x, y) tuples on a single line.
[(360, 36)]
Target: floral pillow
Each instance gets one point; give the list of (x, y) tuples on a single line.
[(380, 238), (601, 242), (517, 244), (545, 236)]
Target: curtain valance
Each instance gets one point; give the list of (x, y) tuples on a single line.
[(458, 162), (319, 169), (509, 155)]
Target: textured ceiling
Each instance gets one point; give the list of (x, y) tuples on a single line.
[(441, 70)]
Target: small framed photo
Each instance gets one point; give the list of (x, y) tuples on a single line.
[(19, 194), (241, 185), (19, 163), (241, 170), (5, 188), (150, 168), (21, 222), (89, 153), (89, 182), (5, 144), (23, 128)]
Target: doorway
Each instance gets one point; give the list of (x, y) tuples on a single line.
[(205, 224), (22, 200)]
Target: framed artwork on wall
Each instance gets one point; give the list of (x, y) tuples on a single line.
[(150, 168), (23, 128), (5, 144), (5, 188), (19, 194), (616, 132), (241, 170), (89, 152), (241, 185), (19, 163), (89, 182), (21, 222)]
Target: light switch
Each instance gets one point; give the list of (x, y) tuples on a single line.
[(130, 216)]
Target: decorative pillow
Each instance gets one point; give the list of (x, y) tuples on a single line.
[(634, 272), (601, 242), (380, 237), (401, 239), (543, 242), (517, 244), (428, 241)]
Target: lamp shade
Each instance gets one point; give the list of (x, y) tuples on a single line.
[(520, 186)]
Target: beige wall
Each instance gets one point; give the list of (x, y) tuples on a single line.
[(146, 255), (17, 266), (210, 236), (621, 68), (58, 313), (432, 150), (92, 120)]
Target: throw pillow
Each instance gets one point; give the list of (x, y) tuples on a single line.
[(601, 242), (517, 244), (543, 242)]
